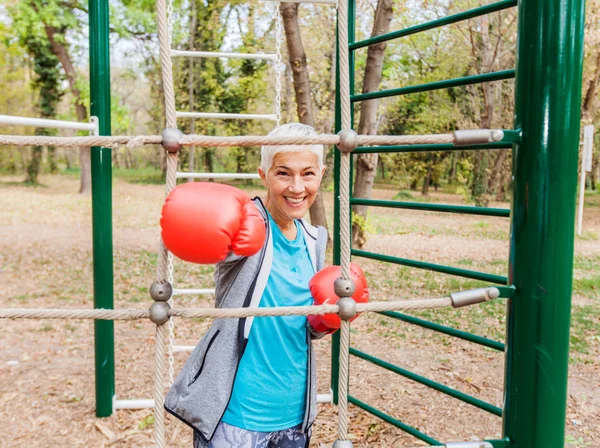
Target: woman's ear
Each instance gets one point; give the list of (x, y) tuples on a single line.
[(323, 170), (263, 177)]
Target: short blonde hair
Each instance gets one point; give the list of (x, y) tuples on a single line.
[(267, 153)]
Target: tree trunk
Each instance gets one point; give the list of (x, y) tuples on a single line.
[(587, 114), (590, 96), (479, 186), (366, 164), (63, 56), (289, 15), (34, 166), (428, 178), (496, 174)]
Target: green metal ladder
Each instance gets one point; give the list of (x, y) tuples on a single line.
[(539, 283)]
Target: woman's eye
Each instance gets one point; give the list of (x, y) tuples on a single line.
[(309, 173), (281, 173)]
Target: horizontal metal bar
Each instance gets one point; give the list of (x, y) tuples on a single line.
[(324, 2), (459, 17), (224, 116), (444, 208), (397, 423), (429, 148), (133, 404), (475, 275), (466, 80), (490, 343), (325, 398), (183, 348), (183, 175), (192, 292), (46, 123), (429, 383), (219, 54)]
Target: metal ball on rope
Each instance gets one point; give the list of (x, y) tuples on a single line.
[(347, 308), (159, 313), (171, 140), (344, 287), (348, 140), (161, 291)]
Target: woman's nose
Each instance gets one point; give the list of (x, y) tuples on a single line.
[(297, 185)]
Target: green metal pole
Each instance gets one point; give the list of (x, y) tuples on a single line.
[(102, 206), (547, 109)]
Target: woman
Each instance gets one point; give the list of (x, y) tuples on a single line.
[(251, 382)]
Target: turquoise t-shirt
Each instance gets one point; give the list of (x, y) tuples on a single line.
[(269, 392)]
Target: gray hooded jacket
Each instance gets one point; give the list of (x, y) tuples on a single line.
[(201, 393)]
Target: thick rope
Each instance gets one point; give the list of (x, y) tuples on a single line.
[(343, 381), (206, 140), (132, 314), (164, 39), (159, 387), (165, 63), (162, 264), (24, 313), (73, 142), (346, 115)]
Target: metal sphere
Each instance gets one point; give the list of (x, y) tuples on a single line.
[(343, 287), (347, 308), (493, 293), (348, 140), (342, 444), (159, 312), (171, 138), (497, 135), (161, 291)]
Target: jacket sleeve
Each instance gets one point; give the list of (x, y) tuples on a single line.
[(320, 249)]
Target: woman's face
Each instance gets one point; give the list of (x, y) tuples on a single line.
[(292, 184)]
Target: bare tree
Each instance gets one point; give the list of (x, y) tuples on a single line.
[(366, 166), (62, 53), (297, 56)]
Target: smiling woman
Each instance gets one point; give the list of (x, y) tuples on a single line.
[(292, 175), (252, 382)]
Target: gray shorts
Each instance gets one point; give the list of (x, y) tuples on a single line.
[(227, 436)]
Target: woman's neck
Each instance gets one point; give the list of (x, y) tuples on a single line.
[(287, 227)]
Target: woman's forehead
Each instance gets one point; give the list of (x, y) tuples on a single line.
[(296, 159)]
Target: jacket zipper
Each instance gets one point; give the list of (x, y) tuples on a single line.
[(210, 343)]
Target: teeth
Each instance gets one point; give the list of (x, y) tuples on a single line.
[(295, 200)]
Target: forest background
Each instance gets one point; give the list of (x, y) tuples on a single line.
[(43, 73)]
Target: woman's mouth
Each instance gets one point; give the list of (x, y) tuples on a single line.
[(295, 201)]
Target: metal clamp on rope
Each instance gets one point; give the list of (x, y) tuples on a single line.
[(469, 445), (477, 137), (171, 140), (348, 140), (161, 292), (472, 297)]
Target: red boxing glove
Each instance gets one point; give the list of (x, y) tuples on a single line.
[(322, 290), (202, 222)]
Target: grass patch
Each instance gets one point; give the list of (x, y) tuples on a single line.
[(585, 328), (401, 195), (588, 286)]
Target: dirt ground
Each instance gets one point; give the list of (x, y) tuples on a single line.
[(47, 367)]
